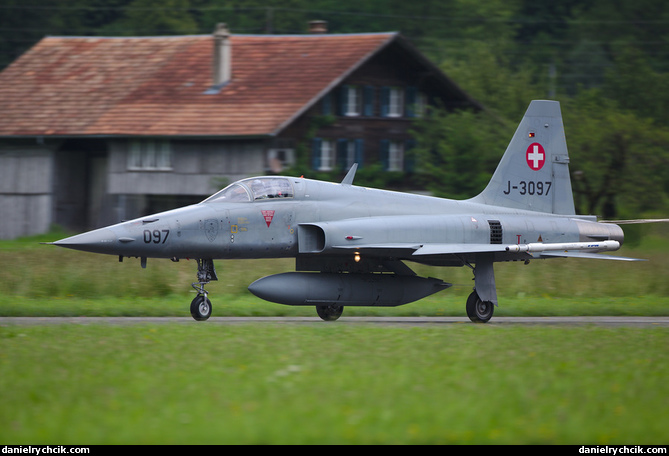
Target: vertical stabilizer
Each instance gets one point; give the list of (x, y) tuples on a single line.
[(534, 171)]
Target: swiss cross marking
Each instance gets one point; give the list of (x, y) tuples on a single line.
[(535, 156), (268, 215)]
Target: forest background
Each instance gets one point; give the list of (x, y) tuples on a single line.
[(606, 61)]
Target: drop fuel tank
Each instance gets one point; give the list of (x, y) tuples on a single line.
[(346, 289)]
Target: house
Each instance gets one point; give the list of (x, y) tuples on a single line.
[(95, 130)]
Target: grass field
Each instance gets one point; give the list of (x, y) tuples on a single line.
[(333, 384), (323, 382)]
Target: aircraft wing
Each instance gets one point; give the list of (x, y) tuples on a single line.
[(389, 250), (412, 249), (450, 249)]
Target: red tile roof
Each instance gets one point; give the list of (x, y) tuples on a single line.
[(156, 86)]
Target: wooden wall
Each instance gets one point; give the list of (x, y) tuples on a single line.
[(25, 190)]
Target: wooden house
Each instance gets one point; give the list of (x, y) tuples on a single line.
[(95, 130)]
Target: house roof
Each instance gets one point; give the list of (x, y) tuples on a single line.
[(158, 86)]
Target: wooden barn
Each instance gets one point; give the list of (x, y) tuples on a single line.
[(95, 130)]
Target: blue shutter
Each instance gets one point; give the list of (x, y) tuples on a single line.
[(327, 104), (368, 101), (343, 100), (410, 102), (316, 153), (385, 154), (342, 153), (359, 152), (385, 101)]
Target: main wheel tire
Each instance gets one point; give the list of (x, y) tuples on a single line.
[(479, 311), (329, 313), (200, 308)]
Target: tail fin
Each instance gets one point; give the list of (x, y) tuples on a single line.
[(534, 171)]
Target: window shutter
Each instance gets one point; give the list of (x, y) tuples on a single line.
[(342, 153), (359, 152), (368, 101), (343, 100), (327, 104), (385, 154), (316, 153)]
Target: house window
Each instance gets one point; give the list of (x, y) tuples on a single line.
[(421, 105), (279, 159), (396, 102), (396, 156), (351, 101), (392, 155), (392, 102), (350, 151), (323, 154), (150, 155), (280, 155), (416, 102)]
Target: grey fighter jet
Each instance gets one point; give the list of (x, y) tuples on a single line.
[(351, 243)]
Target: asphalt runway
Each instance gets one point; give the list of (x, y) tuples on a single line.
[(415, 321)]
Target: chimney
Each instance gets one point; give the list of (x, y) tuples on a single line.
[(222, 64), (317, 27)]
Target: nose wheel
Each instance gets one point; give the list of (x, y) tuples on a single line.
[(200, 307)]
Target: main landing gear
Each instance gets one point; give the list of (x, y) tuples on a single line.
[(200, 307), (479, 311), (329, 313), (481, 302)]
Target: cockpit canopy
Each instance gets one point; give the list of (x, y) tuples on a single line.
[(254, 189)]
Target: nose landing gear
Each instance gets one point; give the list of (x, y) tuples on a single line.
[(200, 307)]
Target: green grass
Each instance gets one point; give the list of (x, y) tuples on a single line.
[(445, 304), (322, 383)]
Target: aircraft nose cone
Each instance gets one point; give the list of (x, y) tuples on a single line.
[(97, 241)]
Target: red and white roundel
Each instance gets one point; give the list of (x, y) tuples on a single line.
[(535, 156)]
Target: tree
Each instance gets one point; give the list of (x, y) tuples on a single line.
[(637, 87), (618, 160), (157, 17), (457, 152)]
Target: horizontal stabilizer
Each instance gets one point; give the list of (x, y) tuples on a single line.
[(588, 255), (635, 221)]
